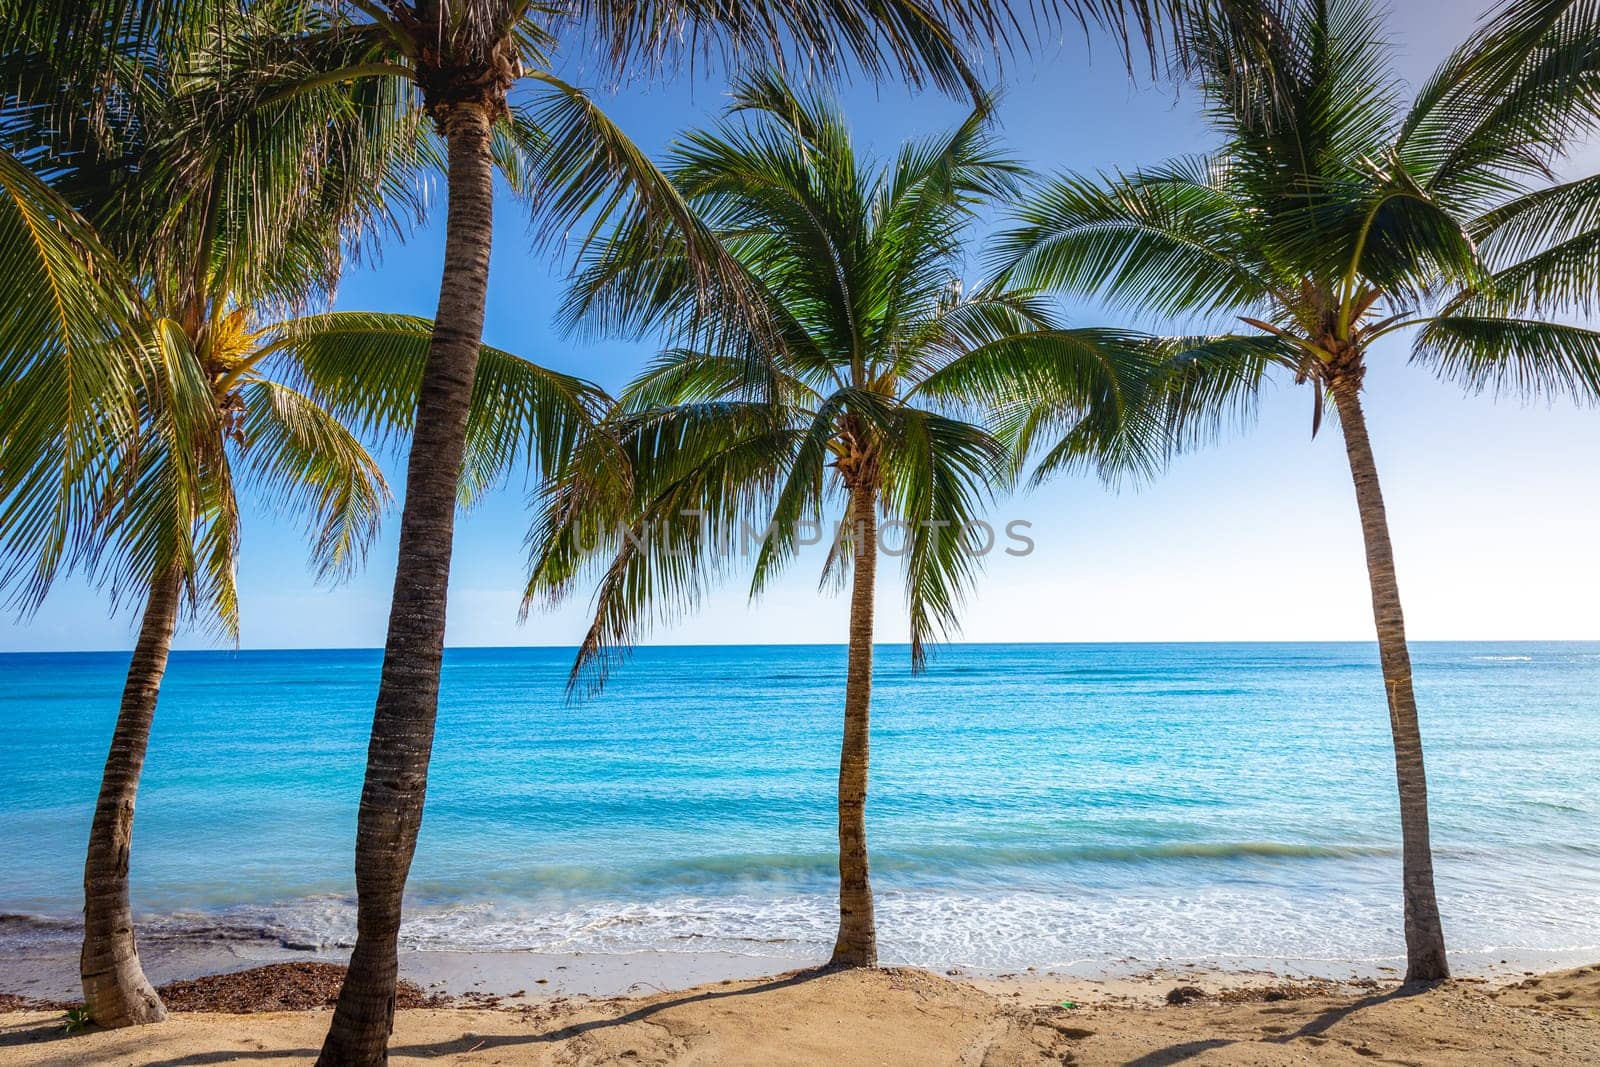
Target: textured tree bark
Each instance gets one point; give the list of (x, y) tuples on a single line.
[(857, 944), (1425, 953), (408, 689), (115, 990)]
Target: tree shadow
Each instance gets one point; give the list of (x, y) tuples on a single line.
[(1326, 1020), (1316, 1027), (1162, 1057), (49, 1032), (200, 1059), (565, 1033), (480, 1043), (33, 1033)]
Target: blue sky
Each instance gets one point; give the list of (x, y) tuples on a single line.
[(1495, 507)]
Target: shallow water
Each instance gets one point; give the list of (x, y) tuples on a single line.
[(1042, 805)]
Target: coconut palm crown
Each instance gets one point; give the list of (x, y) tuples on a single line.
[(1333, 216), (741, 444)]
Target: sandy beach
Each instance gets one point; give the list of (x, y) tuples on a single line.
[(904, 1016), (854, 587)]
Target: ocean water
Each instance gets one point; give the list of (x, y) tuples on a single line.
[(1040, 805)]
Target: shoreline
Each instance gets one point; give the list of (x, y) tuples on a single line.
[(48, 971)]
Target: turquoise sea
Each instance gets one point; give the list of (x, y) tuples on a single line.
[(1031, 804)]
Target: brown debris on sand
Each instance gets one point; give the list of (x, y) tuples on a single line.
[(298, 986), (18, 1002)]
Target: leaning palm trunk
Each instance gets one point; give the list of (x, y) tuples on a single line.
[(402, 728), (857, 944), (1425, 955), (115, 990)]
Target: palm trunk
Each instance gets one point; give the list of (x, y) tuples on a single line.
[(857, 944), (408, 690), (115, 990), (1425, 955)]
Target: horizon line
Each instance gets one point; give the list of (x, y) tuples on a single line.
[(838, 644)]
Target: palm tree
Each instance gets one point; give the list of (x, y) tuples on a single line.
[(221, 202), (849, 408), (461, 63), (291, 398), (170, 524), (158, 174), (1333, 216)]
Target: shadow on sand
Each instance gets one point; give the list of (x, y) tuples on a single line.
[(51, 1031), (1314, 1028)]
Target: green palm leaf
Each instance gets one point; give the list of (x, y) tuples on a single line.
[(685, 490), (1514, 357), (938, 475), (1172, 241), (297, 458), (70, 371), (366, 369)]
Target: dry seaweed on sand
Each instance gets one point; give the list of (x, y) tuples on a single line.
[(19, 1002), (297, 986)]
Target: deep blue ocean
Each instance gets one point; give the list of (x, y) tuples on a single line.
[(1030, 804)]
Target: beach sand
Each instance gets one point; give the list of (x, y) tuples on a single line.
[(903, 1016)]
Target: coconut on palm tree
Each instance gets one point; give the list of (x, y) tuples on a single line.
[(219, 205), (737, 441), (1333, 216)]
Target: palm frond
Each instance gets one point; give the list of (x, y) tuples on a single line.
[(1515, 357), (366, 369), (296, 457), (938, 475), (1545, 246), (71, 373), (1171, 241), (689, 376), (681, 493), (584, 169), (89, 38), (274, 159), (915, 40), (1213, 383), (802, 493), (1535, 220), (1560, 277), (167, 504), (1085, 391), (1405, 241), (1297, 87), (1507, 103)]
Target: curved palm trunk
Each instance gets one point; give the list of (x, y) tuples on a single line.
[(408, 690), (857, 944), (1425, 955), (115, 990)]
